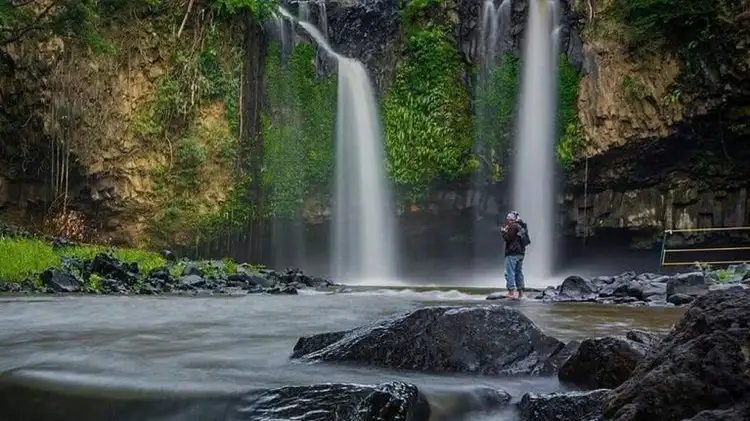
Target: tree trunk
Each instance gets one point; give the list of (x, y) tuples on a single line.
[(251, 136)]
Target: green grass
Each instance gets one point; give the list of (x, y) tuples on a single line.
[(21, 258)]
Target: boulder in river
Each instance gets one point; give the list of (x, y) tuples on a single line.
[(694, 284), (576, 288), (680, 299), (702, 365), (395, 401), (605, 363), (483, 339), (570, 406)]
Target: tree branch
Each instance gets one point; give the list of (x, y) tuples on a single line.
[(184, 19)]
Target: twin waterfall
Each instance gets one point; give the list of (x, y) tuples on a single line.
[(364, 244), (363, 215), (534, 190)]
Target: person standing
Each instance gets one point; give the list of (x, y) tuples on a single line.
[(516, 236)]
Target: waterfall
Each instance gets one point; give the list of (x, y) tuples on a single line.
[(303, 12), (494, 23), (323, 18), (534, 192), (363, 223)]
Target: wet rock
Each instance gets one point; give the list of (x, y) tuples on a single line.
[(570, 406), (483, 339), (308, 344), (114, 286), (605, 363), (107, 266), (10, 287), (191, 282), (57, 280), (575, 288), (702, 365), (649, 340), (552, 365), (395, 401), (680, 299), (281, 290), (687, 283), (191, 269), (655, 291)]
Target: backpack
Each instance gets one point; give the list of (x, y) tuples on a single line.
[(524, 234)]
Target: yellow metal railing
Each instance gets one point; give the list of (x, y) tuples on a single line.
[(665, 251)]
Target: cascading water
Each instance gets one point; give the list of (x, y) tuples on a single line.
[(303, 13), (534, 192), (494, 23), (363, 223)]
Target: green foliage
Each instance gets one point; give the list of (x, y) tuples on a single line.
[(93, 284), (230, 266), (189, 157), (569, 125), (258, 9), (724, 275), (427, 121), (27, 257), (692, 28), (23, 257), (495, 105), (633, 88), (298, 130)]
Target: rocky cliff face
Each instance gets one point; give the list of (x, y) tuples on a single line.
[(65, 106), (667, 143)]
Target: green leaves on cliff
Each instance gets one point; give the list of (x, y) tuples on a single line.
[(298, 130), (700, 31), (258, 9), (427, 123), (569, 125), (495, 106)]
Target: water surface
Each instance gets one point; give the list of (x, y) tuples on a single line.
[(204, 348)]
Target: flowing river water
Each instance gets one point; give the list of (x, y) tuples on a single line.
[(180, 357)]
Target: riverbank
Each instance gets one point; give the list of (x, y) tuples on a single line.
[(33, 265)]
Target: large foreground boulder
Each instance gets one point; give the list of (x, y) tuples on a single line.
[(571, 406), (605, 363), (484, 339), (22, 400), (701, 367), (387, 402)]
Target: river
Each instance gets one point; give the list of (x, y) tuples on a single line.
[(128, 350)]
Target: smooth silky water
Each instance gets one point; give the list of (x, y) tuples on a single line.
[(199, 353)]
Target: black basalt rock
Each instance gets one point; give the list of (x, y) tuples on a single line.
[(57, 280), (484, 339), (395, 401), (570, 406), (605, 363), (702, 366)]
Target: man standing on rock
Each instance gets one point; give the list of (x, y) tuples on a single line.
[(516, 236)]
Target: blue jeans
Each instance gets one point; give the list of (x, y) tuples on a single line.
[(514, 272)]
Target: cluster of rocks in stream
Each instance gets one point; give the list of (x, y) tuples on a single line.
[(647, 288), (105, 274), (700, 371)]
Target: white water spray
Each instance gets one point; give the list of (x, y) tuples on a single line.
[(363, 222), (533, 171)]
